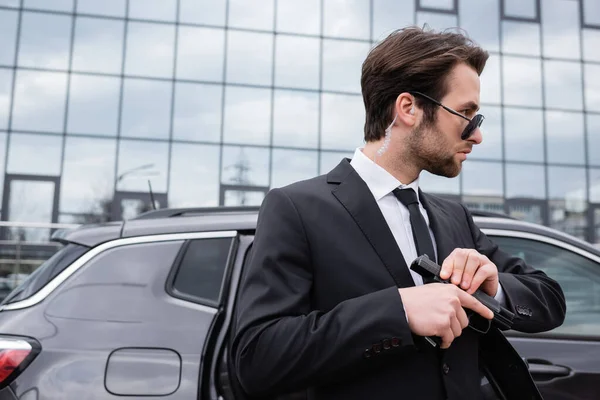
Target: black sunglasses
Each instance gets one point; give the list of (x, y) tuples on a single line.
[(474, 122)]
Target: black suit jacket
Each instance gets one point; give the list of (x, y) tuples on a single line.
[(319, 307)]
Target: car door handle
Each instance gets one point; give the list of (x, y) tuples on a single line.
[(543, 370)]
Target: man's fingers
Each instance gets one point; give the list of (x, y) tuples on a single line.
[(461, 315), (456, 328), (472, 264), (481, 275), (459, 263), (447, 338), (472, 303)]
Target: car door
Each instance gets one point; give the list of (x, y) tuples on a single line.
[(564, 362)]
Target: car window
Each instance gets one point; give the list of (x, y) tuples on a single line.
[(578, 276), (199, 274), (46, 272)]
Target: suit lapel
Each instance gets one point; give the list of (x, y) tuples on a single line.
[(353, 193), (441, 224)]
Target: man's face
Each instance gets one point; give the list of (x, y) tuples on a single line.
[(437, 147)]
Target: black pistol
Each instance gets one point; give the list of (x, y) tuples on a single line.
[(503, 318)]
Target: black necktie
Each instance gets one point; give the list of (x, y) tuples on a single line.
[(423, 241)]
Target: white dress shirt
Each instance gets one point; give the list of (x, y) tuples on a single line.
[(381, 184)]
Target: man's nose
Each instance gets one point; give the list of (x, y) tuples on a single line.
[(476, 137)]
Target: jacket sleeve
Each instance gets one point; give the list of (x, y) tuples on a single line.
[(281, 343), (537, 301)]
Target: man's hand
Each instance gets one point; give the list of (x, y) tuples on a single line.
[(469, 269), (437, 310)]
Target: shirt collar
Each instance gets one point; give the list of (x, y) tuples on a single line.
[(380, 182)]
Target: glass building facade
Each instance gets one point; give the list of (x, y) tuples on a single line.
[(214, 102)]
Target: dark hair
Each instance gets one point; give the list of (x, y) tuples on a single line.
[(412, 59)]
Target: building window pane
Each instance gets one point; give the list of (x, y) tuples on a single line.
[(255, 14), (522, 81), (389, 15), (524, 134), (431, 183), (567, 190), (293, 166), (146, 108), (98, 45), (247, 115), (93, 105), (299, 16), (593, 137), (113, 8), (245, 166), (200, 53), (591, 50), (249, 57), (520, 8), (437, 4), (150, 49), (591, 12), (525, 181), (162, 10), (10, 3), (482, 179), (45, 40), (330, 160), (491, 147), (437, 21), (39, 101), (34, 154), (342, 63), (297, 62), (6, 76), (592, 87), (8, 36), (560, 26), (480, 18), (595, 191), (565, 137), (521, 38), (211, 12), (562, 81), (2, 161), (346, 18), (490, 81), (197, 114), (54, 5), (342, 121), (140, 161), (296, 119), (194, 178), (87, 182)]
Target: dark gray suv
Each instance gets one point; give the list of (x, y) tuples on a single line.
[(142, 308)]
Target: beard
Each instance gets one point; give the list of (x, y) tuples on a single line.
[(428, 149)]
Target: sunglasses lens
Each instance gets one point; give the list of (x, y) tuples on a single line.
[(473, 124)]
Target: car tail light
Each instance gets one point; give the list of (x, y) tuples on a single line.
[(16, 353)]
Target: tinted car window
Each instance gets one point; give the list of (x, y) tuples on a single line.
[(199, 274), (578, 276), (46, 272)]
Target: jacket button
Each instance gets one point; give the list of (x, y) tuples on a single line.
[(395, 342), (387, 344), (367, 353), (377, 348), (445, 368)]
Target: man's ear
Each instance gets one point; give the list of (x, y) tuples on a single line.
[(406, 109)]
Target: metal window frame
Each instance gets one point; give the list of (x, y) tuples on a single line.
[(453, 11)]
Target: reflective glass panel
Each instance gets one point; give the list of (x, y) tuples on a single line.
[(211, 12), (330, 159), (482, 179), (520, 8), (34, 154), (491, 147), (296, 119), (521, 38), (591, 12), (563, 85), (54, 5), (113, 8), (431, 183), (524, 134), (346, 18), (525, 181), (146, 108), (568, 205), (560, 26), (200, 53), (45, 40), (194, 178), (342, 121), (297, 62), (98, 45), (245, 166), (342, 63), (436, 21), (10, 3), (295, 16), (389, 15), (249, 57), (31, 201), (565, 133), (247, 115), (6, 76), (438, 4), (197, 114), (93, 105), (140, 161), (591, 50), (39, 103), (255, 14), (8, 36), (592, 86), (162, 10), (292, 166), (150, 49), (2, 161), (522, 81), (595, 192), (593, 137), (490, 81), (480, 19)]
